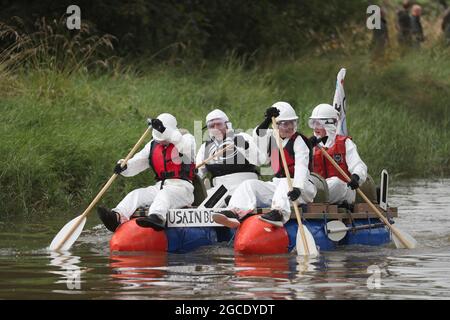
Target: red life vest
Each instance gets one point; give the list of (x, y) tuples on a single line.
[(275, 156), (338, 152), (168, 163)]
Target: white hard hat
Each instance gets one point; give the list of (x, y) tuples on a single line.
[(286, 111), (168, 121), (324, 112), (216, 114)]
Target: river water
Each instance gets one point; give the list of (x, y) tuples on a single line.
[(29, 271)]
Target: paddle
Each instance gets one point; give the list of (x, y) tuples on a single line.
[(307, 245), (218, 153), (72, 230), (401, 238)]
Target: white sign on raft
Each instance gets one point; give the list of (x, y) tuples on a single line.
[(195, 217)]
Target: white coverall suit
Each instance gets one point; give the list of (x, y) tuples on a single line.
[(230, 181), (252, 194), (338, 189), (175, 193)]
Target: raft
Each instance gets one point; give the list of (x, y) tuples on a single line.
[(191, 228)]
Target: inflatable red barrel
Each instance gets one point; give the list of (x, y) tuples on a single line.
[(131, 237), (255, 236)]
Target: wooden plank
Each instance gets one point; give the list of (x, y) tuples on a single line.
[(324, 210), (337, 215), (319, 212)]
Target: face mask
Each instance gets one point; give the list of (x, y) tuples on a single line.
[(330, 130)]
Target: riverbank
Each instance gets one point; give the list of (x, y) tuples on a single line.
[(62, 134)]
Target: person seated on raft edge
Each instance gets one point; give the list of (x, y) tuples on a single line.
[(342, 149), (237, 164), (170, 154), (256, 193)]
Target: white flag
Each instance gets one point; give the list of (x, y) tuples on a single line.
[(339, 103)]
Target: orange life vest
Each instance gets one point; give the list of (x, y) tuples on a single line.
[(168, 163), (338, 152)]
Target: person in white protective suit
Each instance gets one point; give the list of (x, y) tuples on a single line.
[(236, 164), (342, 149), (170, 155), (275, 194)]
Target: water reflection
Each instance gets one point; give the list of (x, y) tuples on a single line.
[(276, 266), (70, 272), (134, 270)]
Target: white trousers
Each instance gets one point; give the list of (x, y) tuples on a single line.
[(339, 191), (252, 194), (176, 193), (231, 181)]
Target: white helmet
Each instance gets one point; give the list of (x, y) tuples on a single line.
[(219, 114), (286, 111), (325, 113), (168, 121), (216, 114)]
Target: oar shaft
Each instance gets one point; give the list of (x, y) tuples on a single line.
[(218, 153), (289, 181), (375, 209), (102, 191), (361, 227)]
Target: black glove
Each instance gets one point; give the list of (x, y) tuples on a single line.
[(118, 169), (158, 125), (239, 141), (270, 112), (294, 194), (314, 141), (354, 182)]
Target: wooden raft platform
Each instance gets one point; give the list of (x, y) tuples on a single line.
[(331, 212)]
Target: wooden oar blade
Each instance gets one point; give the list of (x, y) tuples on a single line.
[(312, 248), (63, 233), (411, 243)]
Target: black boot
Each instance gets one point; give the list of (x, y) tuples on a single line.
[(151, 221), (273, 217), (110, 219)]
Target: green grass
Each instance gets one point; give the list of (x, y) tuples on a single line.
[(62, 135)]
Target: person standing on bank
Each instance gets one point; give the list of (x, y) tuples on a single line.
[(235, 165), (380, 37), (342, 149), (416, 26), (446, 26), (252, 194), (404, 24), (170, 155)]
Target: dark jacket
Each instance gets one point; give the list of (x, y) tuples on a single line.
[(416, 29), (446, 26), (380, 36), (404, 26)]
